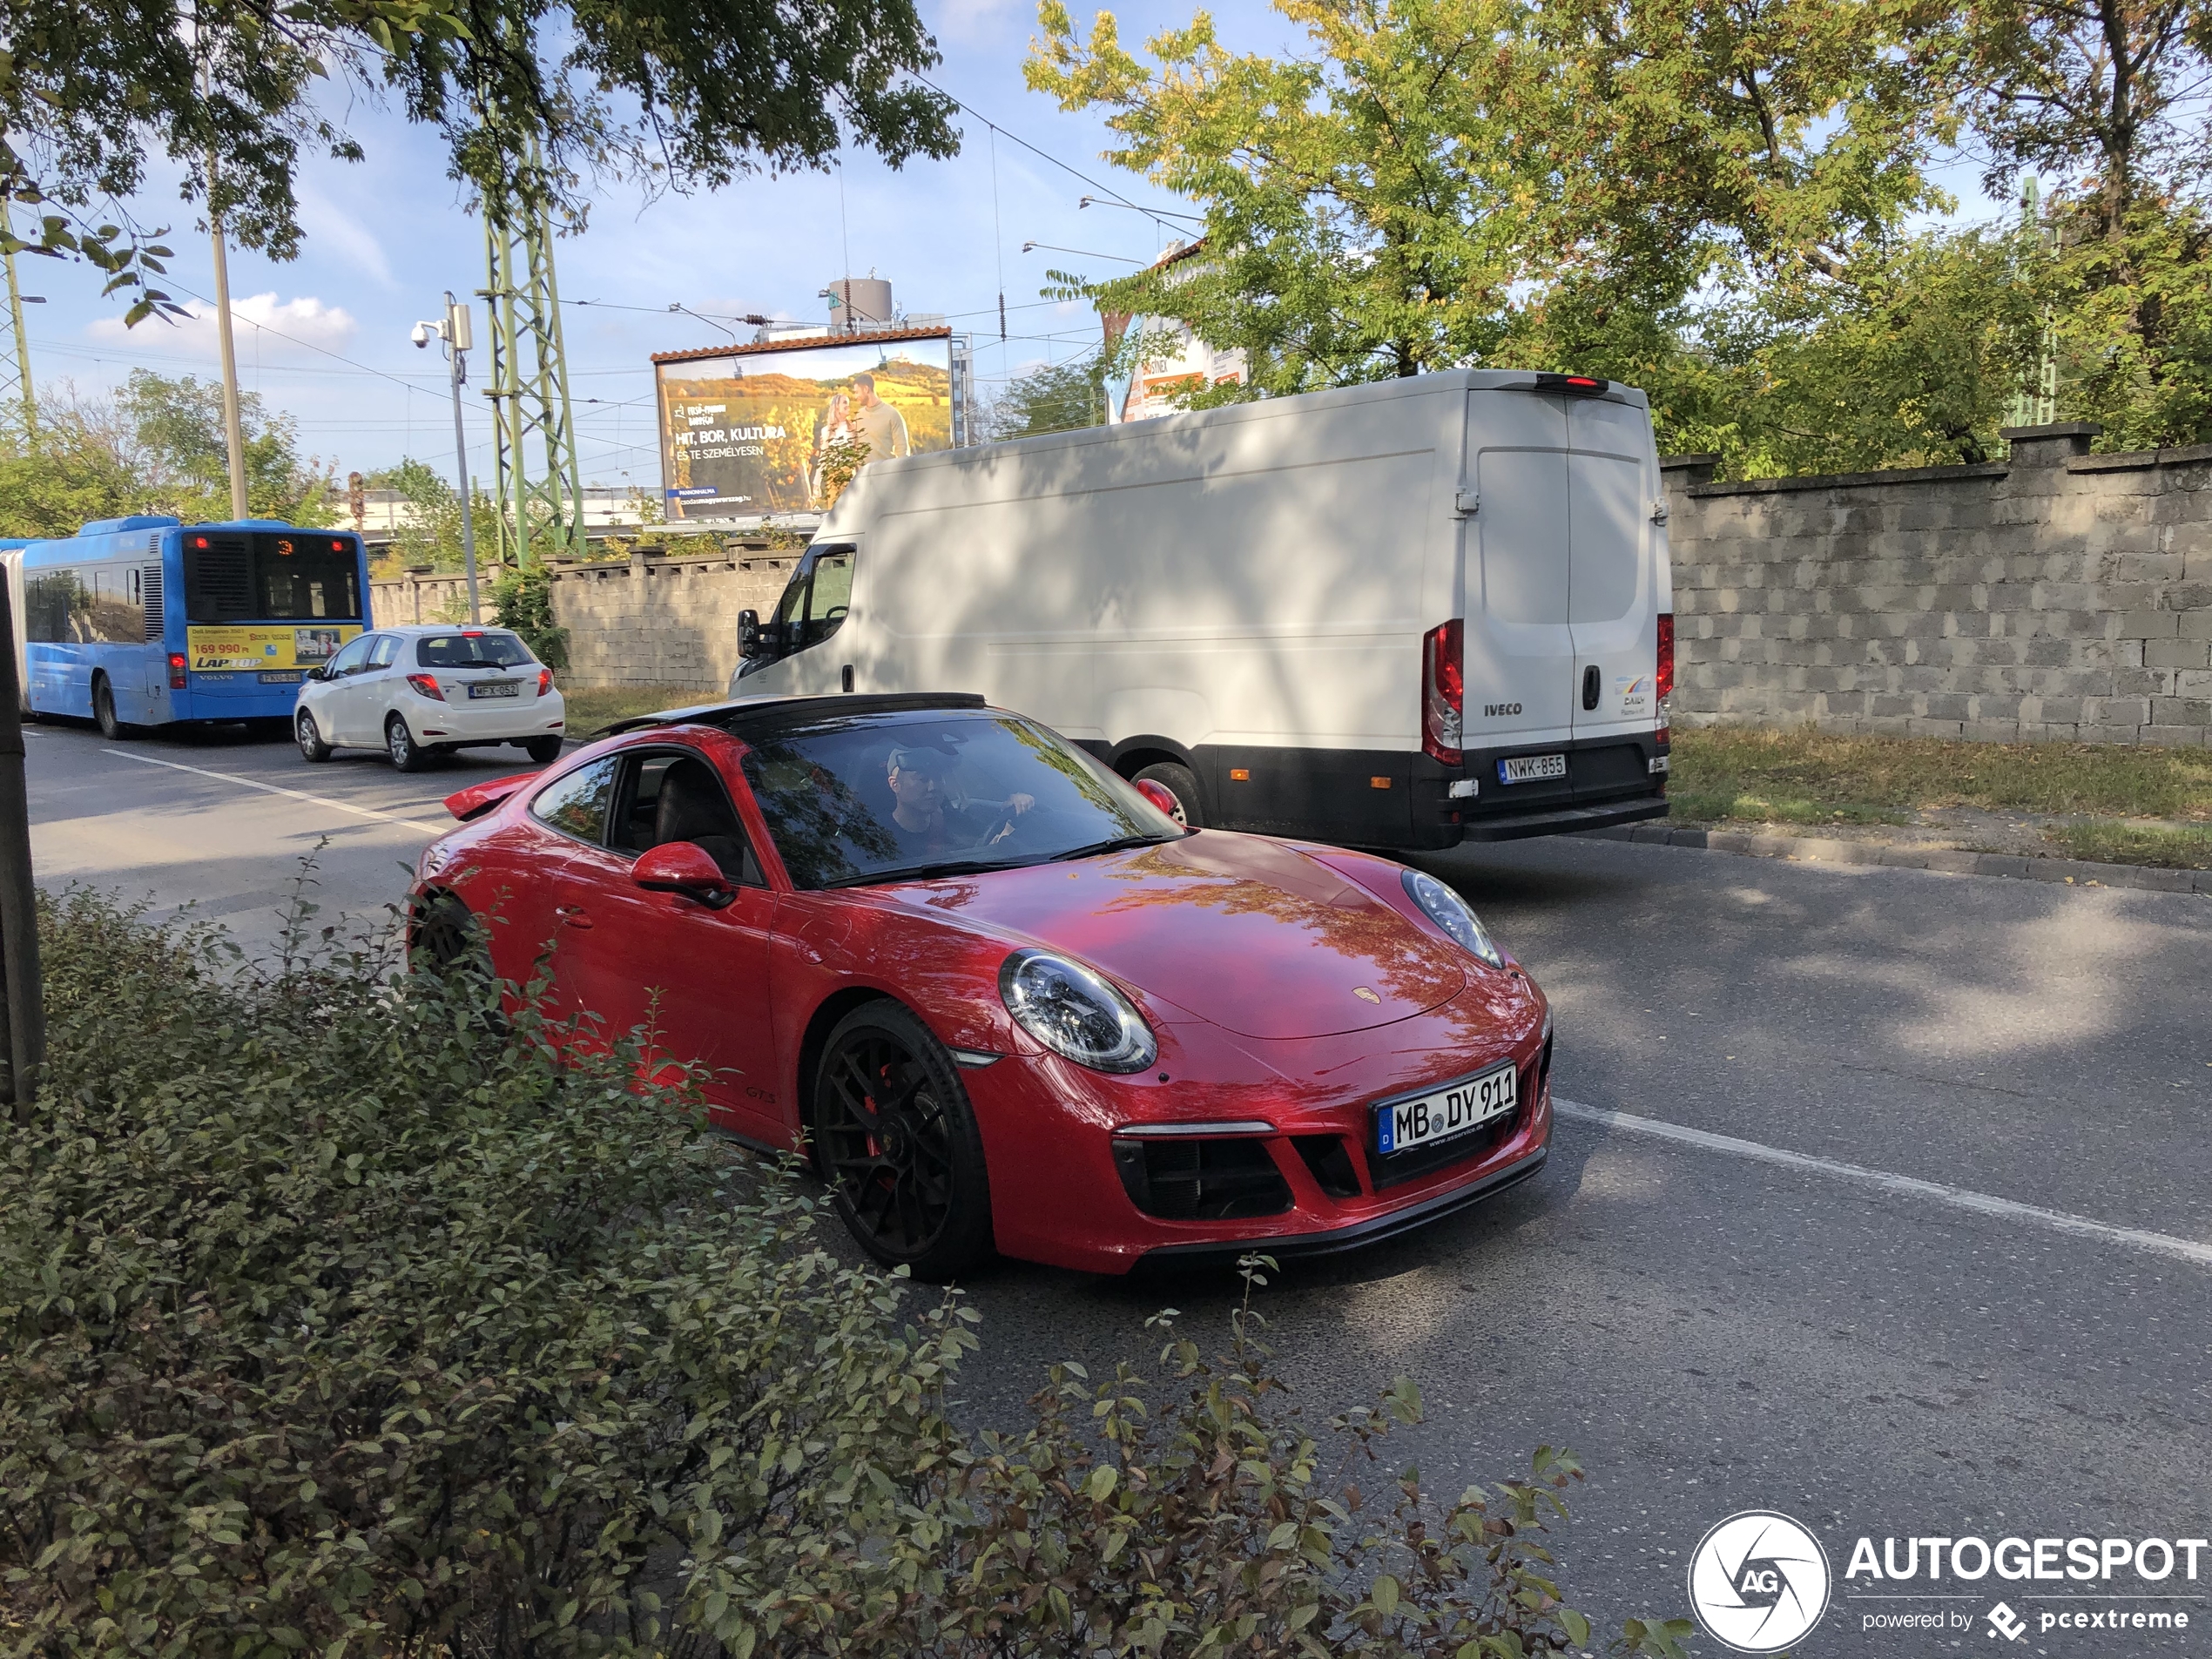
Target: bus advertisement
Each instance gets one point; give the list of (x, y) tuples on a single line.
[(145, 620)]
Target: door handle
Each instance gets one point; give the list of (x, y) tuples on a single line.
[(572, 915), (1589, 686)]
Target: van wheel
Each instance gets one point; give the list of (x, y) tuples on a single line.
[(897, 1143), (311, 747), (103, 711), (544, 751), (1179, 782)]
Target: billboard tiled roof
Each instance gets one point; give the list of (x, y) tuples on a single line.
[(807, 342)]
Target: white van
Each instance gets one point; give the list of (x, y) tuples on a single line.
[(1399, 615)]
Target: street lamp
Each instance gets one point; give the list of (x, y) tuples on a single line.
[(453, 330)]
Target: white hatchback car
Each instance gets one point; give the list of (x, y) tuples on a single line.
[(421, 690)]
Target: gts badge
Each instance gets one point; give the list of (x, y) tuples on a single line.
[(1493, 711)]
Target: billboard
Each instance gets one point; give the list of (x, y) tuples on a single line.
[(745, 432)]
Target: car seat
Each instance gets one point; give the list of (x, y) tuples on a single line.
[(692, 807)]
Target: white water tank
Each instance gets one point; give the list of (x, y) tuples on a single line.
[(858, 302)]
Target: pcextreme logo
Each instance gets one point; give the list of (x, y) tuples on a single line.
[(1759, 1581)]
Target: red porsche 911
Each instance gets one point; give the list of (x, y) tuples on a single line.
[(998, 996)]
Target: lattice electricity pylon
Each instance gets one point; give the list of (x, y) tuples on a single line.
[(543, 515), (18, 402)]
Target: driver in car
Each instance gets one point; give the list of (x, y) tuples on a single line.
[(926, 823)]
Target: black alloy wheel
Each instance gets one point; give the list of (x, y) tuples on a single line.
[(103, 711), (311, 747), (441, 931), (1179, 782), (895, 1140)]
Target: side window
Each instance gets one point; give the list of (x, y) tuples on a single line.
[(387, 647), (577, 803), (832, 595), (349, 660), (680, 798)]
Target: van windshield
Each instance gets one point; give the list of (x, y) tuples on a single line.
[(859, 800)]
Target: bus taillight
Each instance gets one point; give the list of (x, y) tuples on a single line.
[(175, 671)]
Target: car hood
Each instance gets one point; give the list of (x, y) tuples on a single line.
[(1244, 933)]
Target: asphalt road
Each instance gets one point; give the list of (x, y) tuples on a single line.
[(1888, 1205)]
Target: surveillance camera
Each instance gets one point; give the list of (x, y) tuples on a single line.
[(422, 335)]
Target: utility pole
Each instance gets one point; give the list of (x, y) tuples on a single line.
[(459, 337), (528, 385), (15, 369), (233, 436), (23, 1007)]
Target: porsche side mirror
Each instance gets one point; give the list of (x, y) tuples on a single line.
[(315, 673), (685, 867), (1163, 798), (748, 634)]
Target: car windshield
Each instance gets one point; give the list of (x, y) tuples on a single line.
[(863, 800), (470, 649)]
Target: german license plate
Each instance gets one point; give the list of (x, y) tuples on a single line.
[(493, 688), (1528, 769), (272, 676), (1423, 1120)]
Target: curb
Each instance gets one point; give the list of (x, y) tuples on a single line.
[(1946, 861)]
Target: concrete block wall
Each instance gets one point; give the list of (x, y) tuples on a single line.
[(649, 621), (2057, 595)]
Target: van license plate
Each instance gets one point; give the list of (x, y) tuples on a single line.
[(493, 688), (1401, 1125), (278, 677), (1528, 769)]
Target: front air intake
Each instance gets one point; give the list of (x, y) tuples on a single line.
[(1190, 1180)]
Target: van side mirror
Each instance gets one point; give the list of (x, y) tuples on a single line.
[(748, 634), (685, 867)]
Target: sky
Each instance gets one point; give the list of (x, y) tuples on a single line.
[(324, 338)]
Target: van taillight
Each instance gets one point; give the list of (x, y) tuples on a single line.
[(544, 681), (1443, 691), (175, 671), (1666, 668)]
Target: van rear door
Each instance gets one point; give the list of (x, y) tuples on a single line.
[(1611, 570), (1519, 645)]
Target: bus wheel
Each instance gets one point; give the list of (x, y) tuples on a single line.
[(312, 746), (1179, 782), (103, 711), (407, 754)]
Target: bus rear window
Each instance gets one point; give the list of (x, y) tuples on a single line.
[(301, 577), (470, 649)]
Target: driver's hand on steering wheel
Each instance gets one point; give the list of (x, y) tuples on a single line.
[(1020, 804)]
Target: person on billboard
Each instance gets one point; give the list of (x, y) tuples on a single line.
[(882, 426), (835, 427)]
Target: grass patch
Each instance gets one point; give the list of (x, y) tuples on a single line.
[(1815, 777), (2185, 847), (591, 707)]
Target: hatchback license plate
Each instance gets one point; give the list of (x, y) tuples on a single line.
[(493, 688), (1528, 769), (1422, 1120), (275, 677)]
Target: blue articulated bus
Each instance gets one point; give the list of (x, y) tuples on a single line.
[(144, 621)]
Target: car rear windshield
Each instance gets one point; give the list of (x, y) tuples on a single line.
[(470, 649), (889, 798)]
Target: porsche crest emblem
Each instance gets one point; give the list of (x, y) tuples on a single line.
[(1365, 994)]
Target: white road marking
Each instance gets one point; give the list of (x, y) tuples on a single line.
[(276, 789), (2187, 1249)]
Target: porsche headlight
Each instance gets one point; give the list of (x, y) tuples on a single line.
[(1453, 915), (1075, 1013)]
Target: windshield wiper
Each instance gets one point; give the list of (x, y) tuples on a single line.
[(1119, 843), (928, 872)]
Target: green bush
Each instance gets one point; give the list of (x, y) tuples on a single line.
[(522, 600), (343, 1313), (347, 1321)]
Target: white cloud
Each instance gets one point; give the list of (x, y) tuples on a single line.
[(280, 330)]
